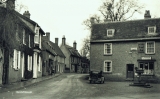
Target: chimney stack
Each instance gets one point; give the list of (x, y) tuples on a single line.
[(56, 41), (147, 14), (48, 35), (74, 45), (92, 20), (10, 4), (63, 40), (27, 14)]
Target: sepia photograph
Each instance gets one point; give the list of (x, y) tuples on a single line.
[(79, 49)]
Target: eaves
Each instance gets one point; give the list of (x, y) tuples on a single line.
[(125, 40)]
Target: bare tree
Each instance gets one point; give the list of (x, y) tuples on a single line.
[(87, 22), (19, 7), (85, 50), (120, 10), (113, 10)]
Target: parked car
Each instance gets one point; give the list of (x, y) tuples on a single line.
[(96, 77)]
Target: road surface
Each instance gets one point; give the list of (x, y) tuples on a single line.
[(75, 86)]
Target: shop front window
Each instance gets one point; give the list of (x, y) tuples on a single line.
[(148, 67)]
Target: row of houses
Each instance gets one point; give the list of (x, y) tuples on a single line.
[(118, 47), (27, 52)]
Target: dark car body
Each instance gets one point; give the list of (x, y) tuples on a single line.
[(96, 77)]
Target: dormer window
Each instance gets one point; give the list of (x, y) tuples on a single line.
[(36, 37), (151, 29), (110, 32)]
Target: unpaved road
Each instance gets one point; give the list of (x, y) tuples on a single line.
[(74, 86)]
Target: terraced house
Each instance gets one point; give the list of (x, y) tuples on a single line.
[(54, 59), (73, 58), (118, 47), (20, 45)]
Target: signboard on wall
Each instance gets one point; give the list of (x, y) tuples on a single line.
[(146, 58), (141, 47)]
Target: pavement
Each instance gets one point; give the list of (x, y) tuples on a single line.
[(23, 84)]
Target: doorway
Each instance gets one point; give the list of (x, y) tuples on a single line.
[(130, 71), (5, 67)]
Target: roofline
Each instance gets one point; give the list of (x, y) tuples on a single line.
[(134, 39), (31, 21), (126, 21)]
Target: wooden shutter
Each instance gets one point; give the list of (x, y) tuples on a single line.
[(28, 63), (15, 59), (19, 59)]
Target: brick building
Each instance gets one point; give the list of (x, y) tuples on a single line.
[(118, 47)]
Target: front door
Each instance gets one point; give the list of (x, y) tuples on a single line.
[(5, 67), (130, 71)]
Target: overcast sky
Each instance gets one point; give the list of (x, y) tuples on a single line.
[(65, 17)]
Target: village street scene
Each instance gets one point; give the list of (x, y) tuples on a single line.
[(106, 49)]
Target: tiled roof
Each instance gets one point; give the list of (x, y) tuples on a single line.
[(73, 51), (29, 22), (26, 21), (125, 30), (47, 46), (57, 49)]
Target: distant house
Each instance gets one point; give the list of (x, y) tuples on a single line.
[(20, 48), (48, 56), (73, 58), (118, 47), (85, 65), (60, 58)]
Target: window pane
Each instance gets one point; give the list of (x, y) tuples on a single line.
[(151, 29), (141, 65), (107, 48), (150, 47), (148, 67), (107, 67), (108, 51), (110, 32), (151, 65)]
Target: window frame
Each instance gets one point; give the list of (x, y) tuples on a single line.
[(24, 37), (104, 70), (30, 63), (146, 48), (150, 28), (17, 59), (39, 63), (105, 52), (17, 30), (29, 41), (147, 71), (113, 30)]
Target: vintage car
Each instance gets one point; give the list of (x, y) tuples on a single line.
[(96, 77)]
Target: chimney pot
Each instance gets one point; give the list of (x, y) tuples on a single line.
[(48, 35), (27, 14), (63, 40), (92, 20), (74, 45), (56, 41), (147, 14)]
